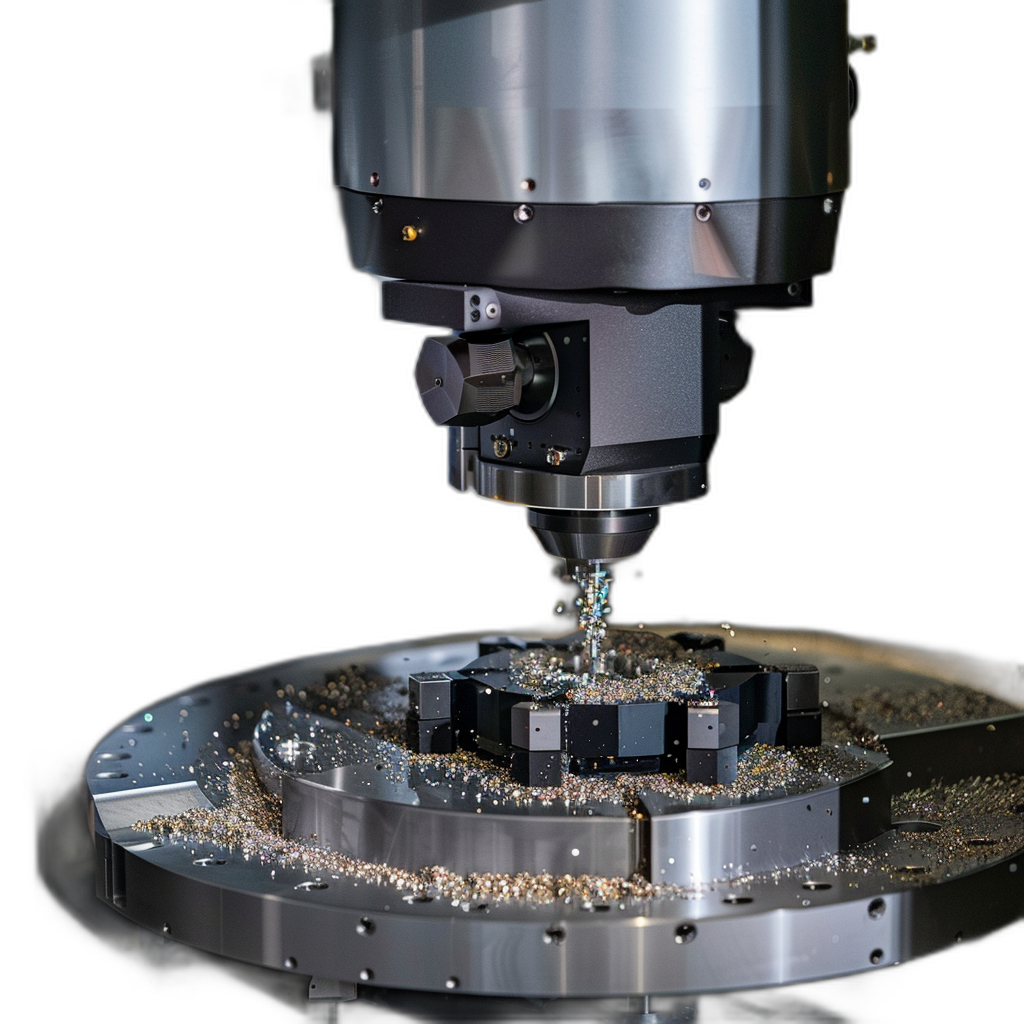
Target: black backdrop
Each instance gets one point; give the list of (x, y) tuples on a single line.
[(245, 474)]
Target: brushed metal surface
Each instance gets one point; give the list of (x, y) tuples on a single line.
[(786, 931), (592, 101), (596, 492)]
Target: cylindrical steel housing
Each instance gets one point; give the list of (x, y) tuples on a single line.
[(593, 101)]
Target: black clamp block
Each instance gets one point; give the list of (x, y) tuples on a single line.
[(712, 767), (430, 695), (801, 729), (429, 735), (536, 767), (536, 726), (592, 730), (712, 726), (801, 686), (615, 730)]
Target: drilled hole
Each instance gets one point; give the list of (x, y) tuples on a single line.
[(816, 886), (876, 908), (737, 900), (554, 936), (121, 756), (686, 933), (366, 974), (208, 862), (111, 775), (312, 885), (876, 956), (366, 926)]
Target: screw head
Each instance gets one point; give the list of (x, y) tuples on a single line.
[(491, 309), (527, 184), (523, 213), (704, 183), (501, 447), (374, 179), (829, 205), (378, 205), (703, 213)]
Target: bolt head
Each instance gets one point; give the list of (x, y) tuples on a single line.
[(524, 213)]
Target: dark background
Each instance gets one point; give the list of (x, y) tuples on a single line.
[(238, 429)]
